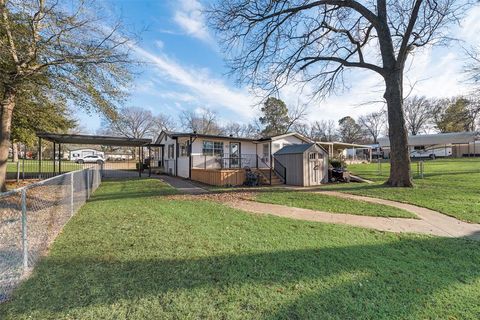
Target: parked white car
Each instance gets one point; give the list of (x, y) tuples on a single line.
[(91, 159)]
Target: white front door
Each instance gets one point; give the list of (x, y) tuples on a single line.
[(266, 153), (235, 154)]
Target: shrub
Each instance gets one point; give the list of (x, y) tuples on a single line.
[(338, 163)]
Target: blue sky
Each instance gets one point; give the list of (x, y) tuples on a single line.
[(185, 68)]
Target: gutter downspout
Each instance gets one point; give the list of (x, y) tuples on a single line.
[(271, 162), (190, 159), (176, 157)]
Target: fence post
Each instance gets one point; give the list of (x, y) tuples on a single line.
[(24, 230), (72, 208), (421, 169), (88, 183)]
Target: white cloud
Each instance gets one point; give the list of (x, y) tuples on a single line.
[(202, 88), (190, 19), (470, 28), (159, 44)]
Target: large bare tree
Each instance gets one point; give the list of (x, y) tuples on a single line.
[(373, 124), (473, 66), (272, 43), (242, 130), (138, 123), (323, 130), (204, 121), (418, 114), (83, 55)]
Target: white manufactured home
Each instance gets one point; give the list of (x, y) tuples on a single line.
[(223, 160)]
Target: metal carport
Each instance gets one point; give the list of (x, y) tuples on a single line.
[(83, 139)]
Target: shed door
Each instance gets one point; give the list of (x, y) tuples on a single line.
[(315, 164)]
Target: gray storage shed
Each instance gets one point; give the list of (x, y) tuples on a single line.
[(304, 164)]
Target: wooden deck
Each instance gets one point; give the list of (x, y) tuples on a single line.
[(219, 177)]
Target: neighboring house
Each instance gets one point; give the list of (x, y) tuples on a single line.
[(453, 144), (80, 153), (221, 160)]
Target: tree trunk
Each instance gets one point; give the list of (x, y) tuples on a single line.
[(15, 151), (6, 112), (397, 131)]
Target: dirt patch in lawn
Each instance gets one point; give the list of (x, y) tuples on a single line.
[(217, 197)]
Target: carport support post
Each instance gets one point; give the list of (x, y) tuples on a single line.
[(59, 158), (24, 230), (54, 161), (149, 161), (39, 156), (139, 163)]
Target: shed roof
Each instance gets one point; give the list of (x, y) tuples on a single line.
[(295, 148), (290, 134)]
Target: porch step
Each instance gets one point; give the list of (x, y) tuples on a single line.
[(265, 177)]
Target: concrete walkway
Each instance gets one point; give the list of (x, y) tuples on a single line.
[(430, 222), (182, 185)]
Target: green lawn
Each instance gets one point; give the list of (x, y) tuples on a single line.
[(131, 253), (47, 166), (451, 186), (315, 201)]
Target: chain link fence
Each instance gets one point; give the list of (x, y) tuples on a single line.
[(31, 218), (424, 168)]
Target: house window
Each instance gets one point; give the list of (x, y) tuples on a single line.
[(312, 156), (211, 148), (171, 151), (184, 149)]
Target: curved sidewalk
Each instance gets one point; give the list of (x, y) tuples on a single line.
[(450, 225), (430, 222)]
